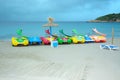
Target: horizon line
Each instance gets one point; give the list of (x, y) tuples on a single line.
[(43, 21)]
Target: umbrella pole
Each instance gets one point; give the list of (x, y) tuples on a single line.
[(50, 34), (50, 30)]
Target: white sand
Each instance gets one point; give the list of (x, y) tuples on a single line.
[(67, 62)]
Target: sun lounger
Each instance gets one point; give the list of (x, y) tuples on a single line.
[(110, 47)]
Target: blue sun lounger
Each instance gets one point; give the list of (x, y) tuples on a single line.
[(109, 47)]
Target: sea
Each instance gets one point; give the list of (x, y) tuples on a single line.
[(33, 29)]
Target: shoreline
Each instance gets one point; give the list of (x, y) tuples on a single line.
[(109, 40)]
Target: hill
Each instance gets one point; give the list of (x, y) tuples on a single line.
[(108, 18)]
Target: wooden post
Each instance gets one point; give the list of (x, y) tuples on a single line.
[(50, 34), (112, 36)]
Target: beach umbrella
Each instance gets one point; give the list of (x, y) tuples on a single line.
[(50, 24)]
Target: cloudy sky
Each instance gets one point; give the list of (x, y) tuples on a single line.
[(61, 10)]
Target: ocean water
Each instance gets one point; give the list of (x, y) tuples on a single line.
[(8, 29)]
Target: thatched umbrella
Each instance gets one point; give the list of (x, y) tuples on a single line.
[(50, 24)]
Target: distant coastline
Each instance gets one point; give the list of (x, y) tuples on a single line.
[(102, 21), (115, 17)]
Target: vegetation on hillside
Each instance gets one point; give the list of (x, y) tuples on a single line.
[(110, 17)]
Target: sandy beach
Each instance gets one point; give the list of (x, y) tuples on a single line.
[(66, 62)]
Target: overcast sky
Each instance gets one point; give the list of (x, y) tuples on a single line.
[(61, 10)]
